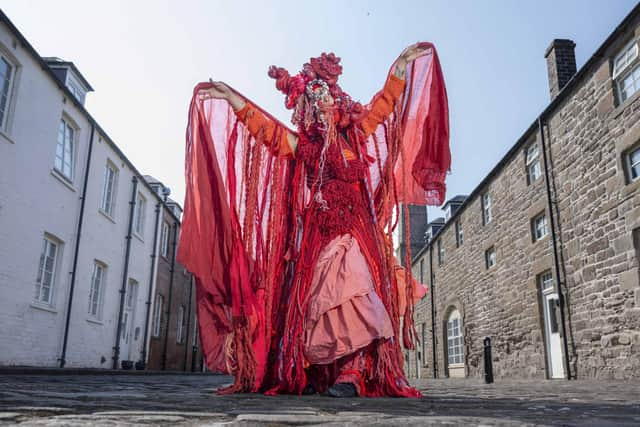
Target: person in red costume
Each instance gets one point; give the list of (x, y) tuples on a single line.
[(288, 233)]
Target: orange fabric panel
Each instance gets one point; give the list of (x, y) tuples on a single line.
[(382, 106), (258, 123)]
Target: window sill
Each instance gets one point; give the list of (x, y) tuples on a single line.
[(43, 308), (4, 136), (138, 236), (541, 239), (623, 105), (631, 187), (106, 215), (95, 321), (64, 180)]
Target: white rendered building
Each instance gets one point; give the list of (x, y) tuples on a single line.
[(78, 223)]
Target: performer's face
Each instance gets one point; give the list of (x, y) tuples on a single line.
[(326, 100)]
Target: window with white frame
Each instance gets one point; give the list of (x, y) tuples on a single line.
[(96, 293), (539, 227), (45, 281), (545, 280), (65, 150), (141, 207), (455, 351), (109, 188), (447, 213), (626, 71), (632, 161), (459, 234), (7, 73), (157, 315), (490, 257), (180, 327), (440, 253), (533, 164), (486, 208), (164, 239)]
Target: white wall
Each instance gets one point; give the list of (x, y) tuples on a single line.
[(34, 201)]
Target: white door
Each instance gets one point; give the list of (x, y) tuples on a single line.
[(128, 320), (552, 329)]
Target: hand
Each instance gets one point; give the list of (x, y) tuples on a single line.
[(411, 53), (218, 90)]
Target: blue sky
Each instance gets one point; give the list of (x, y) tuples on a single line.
[(144, 57)]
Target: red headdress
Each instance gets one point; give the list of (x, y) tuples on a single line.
[(326, 68)]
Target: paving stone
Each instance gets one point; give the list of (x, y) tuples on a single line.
[(180, 400)]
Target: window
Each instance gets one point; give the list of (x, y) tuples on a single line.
[(164, 239), (490, 257), (459, 235), (180, 330), (7, 71), (545, 280), (47, 271), (65, 150), (440, 253), (421, 270), (539, 227), (486, 209), (626, 71), (447, 213), (533, 164), (454, 339), (157, 315), (97, 289), (632, 160), (109, 188), (141, 206)]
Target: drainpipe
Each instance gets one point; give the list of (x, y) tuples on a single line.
[(76, 251), (125, 274), (154, 260), (173, 269), (186, 342), (433, 311), (556, 261)]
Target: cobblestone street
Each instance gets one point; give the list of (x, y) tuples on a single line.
[(186, 400)]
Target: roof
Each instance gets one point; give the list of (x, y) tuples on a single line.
[(45, 67), (56, 62), (566, 91), (455, 200), (437, 221)]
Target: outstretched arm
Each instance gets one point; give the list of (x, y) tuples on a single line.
[(382, 105), (284, 142)]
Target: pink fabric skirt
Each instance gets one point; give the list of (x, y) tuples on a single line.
[(345, 313)]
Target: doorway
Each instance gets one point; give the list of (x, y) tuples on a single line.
[(551, 307), (128, 319)]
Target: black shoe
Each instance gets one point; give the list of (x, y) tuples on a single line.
[(342, 390), (309, 390)]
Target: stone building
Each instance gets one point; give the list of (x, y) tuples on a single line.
[(174, 344), (78, 231), (543, 256)]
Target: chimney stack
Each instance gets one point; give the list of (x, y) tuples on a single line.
[(561, 64)]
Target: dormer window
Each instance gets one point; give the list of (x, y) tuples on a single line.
[(447, 213), (67, 73)]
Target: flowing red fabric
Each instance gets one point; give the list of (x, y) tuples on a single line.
[(248, 242)]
